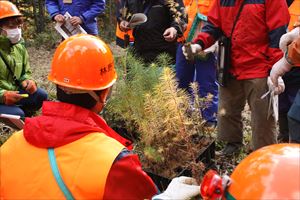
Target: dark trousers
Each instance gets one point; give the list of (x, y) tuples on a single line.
[(286, 100), (26, 105), (294, 120)]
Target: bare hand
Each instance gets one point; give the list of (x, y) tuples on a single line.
[(59, 18), (75, 21), (29, 86), (124, 26), (170, 34)]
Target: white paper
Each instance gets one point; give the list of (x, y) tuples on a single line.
[(137, 19), (66, 29)]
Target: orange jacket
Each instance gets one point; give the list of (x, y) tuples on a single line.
[(294, 10), (85, 174), (191, 9), (293, 55)]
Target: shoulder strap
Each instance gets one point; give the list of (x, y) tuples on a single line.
[(68, 195), (17, 82), (237, 17)]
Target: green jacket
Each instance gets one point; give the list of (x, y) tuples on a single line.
[(16, 57)]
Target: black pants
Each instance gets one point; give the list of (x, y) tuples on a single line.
[(294, 130)]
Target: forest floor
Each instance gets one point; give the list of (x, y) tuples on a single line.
[(40, 60)]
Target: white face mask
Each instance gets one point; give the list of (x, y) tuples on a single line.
[(14, 35)]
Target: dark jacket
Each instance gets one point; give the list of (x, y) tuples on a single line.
[(149, 40)]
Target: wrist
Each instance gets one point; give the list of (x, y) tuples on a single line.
[(287, 60)]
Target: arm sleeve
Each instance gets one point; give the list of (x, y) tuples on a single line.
[(211, 30), (52, 7), (179, 25), (94, 11), (26, 72), (119, 5), (127, 180), (277, 23), (293, 55)]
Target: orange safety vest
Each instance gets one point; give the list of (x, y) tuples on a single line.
[(84, 165), (294, 10), (120, 34), (191, 9)]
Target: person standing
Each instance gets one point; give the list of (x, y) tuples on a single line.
[(19, 94), (291, 80), (165, 21), (83, 12), (254, 29), (291, 42), (202, 70)]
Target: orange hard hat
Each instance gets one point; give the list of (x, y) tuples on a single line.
[(83, 62), (272, 172), (8, 9)]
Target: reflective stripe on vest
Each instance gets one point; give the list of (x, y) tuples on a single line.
[(84, 165)]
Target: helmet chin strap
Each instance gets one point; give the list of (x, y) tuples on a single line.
[(77, 91)]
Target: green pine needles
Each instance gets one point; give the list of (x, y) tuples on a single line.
[(166, 119)]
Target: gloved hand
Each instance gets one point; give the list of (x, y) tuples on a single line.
[(212, 49), (194, 50), (180, 188), (277, 89), (288, 38), (279, 69), (170, 34), (11, 97), (29, 86)]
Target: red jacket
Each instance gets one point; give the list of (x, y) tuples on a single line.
[(255, 40), (62, 123)]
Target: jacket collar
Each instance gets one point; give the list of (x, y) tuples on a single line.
[(62, 123)]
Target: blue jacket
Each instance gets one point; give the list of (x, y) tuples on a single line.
[(87, 10)]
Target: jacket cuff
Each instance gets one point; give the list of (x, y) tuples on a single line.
[(53, 15)]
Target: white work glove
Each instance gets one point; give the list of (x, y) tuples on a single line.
[(277, 89), (212, 49), (180, 188), (278, 70), (195, 49), (288, 38)]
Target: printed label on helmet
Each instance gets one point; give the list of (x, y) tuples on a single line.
[(105, 69)]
